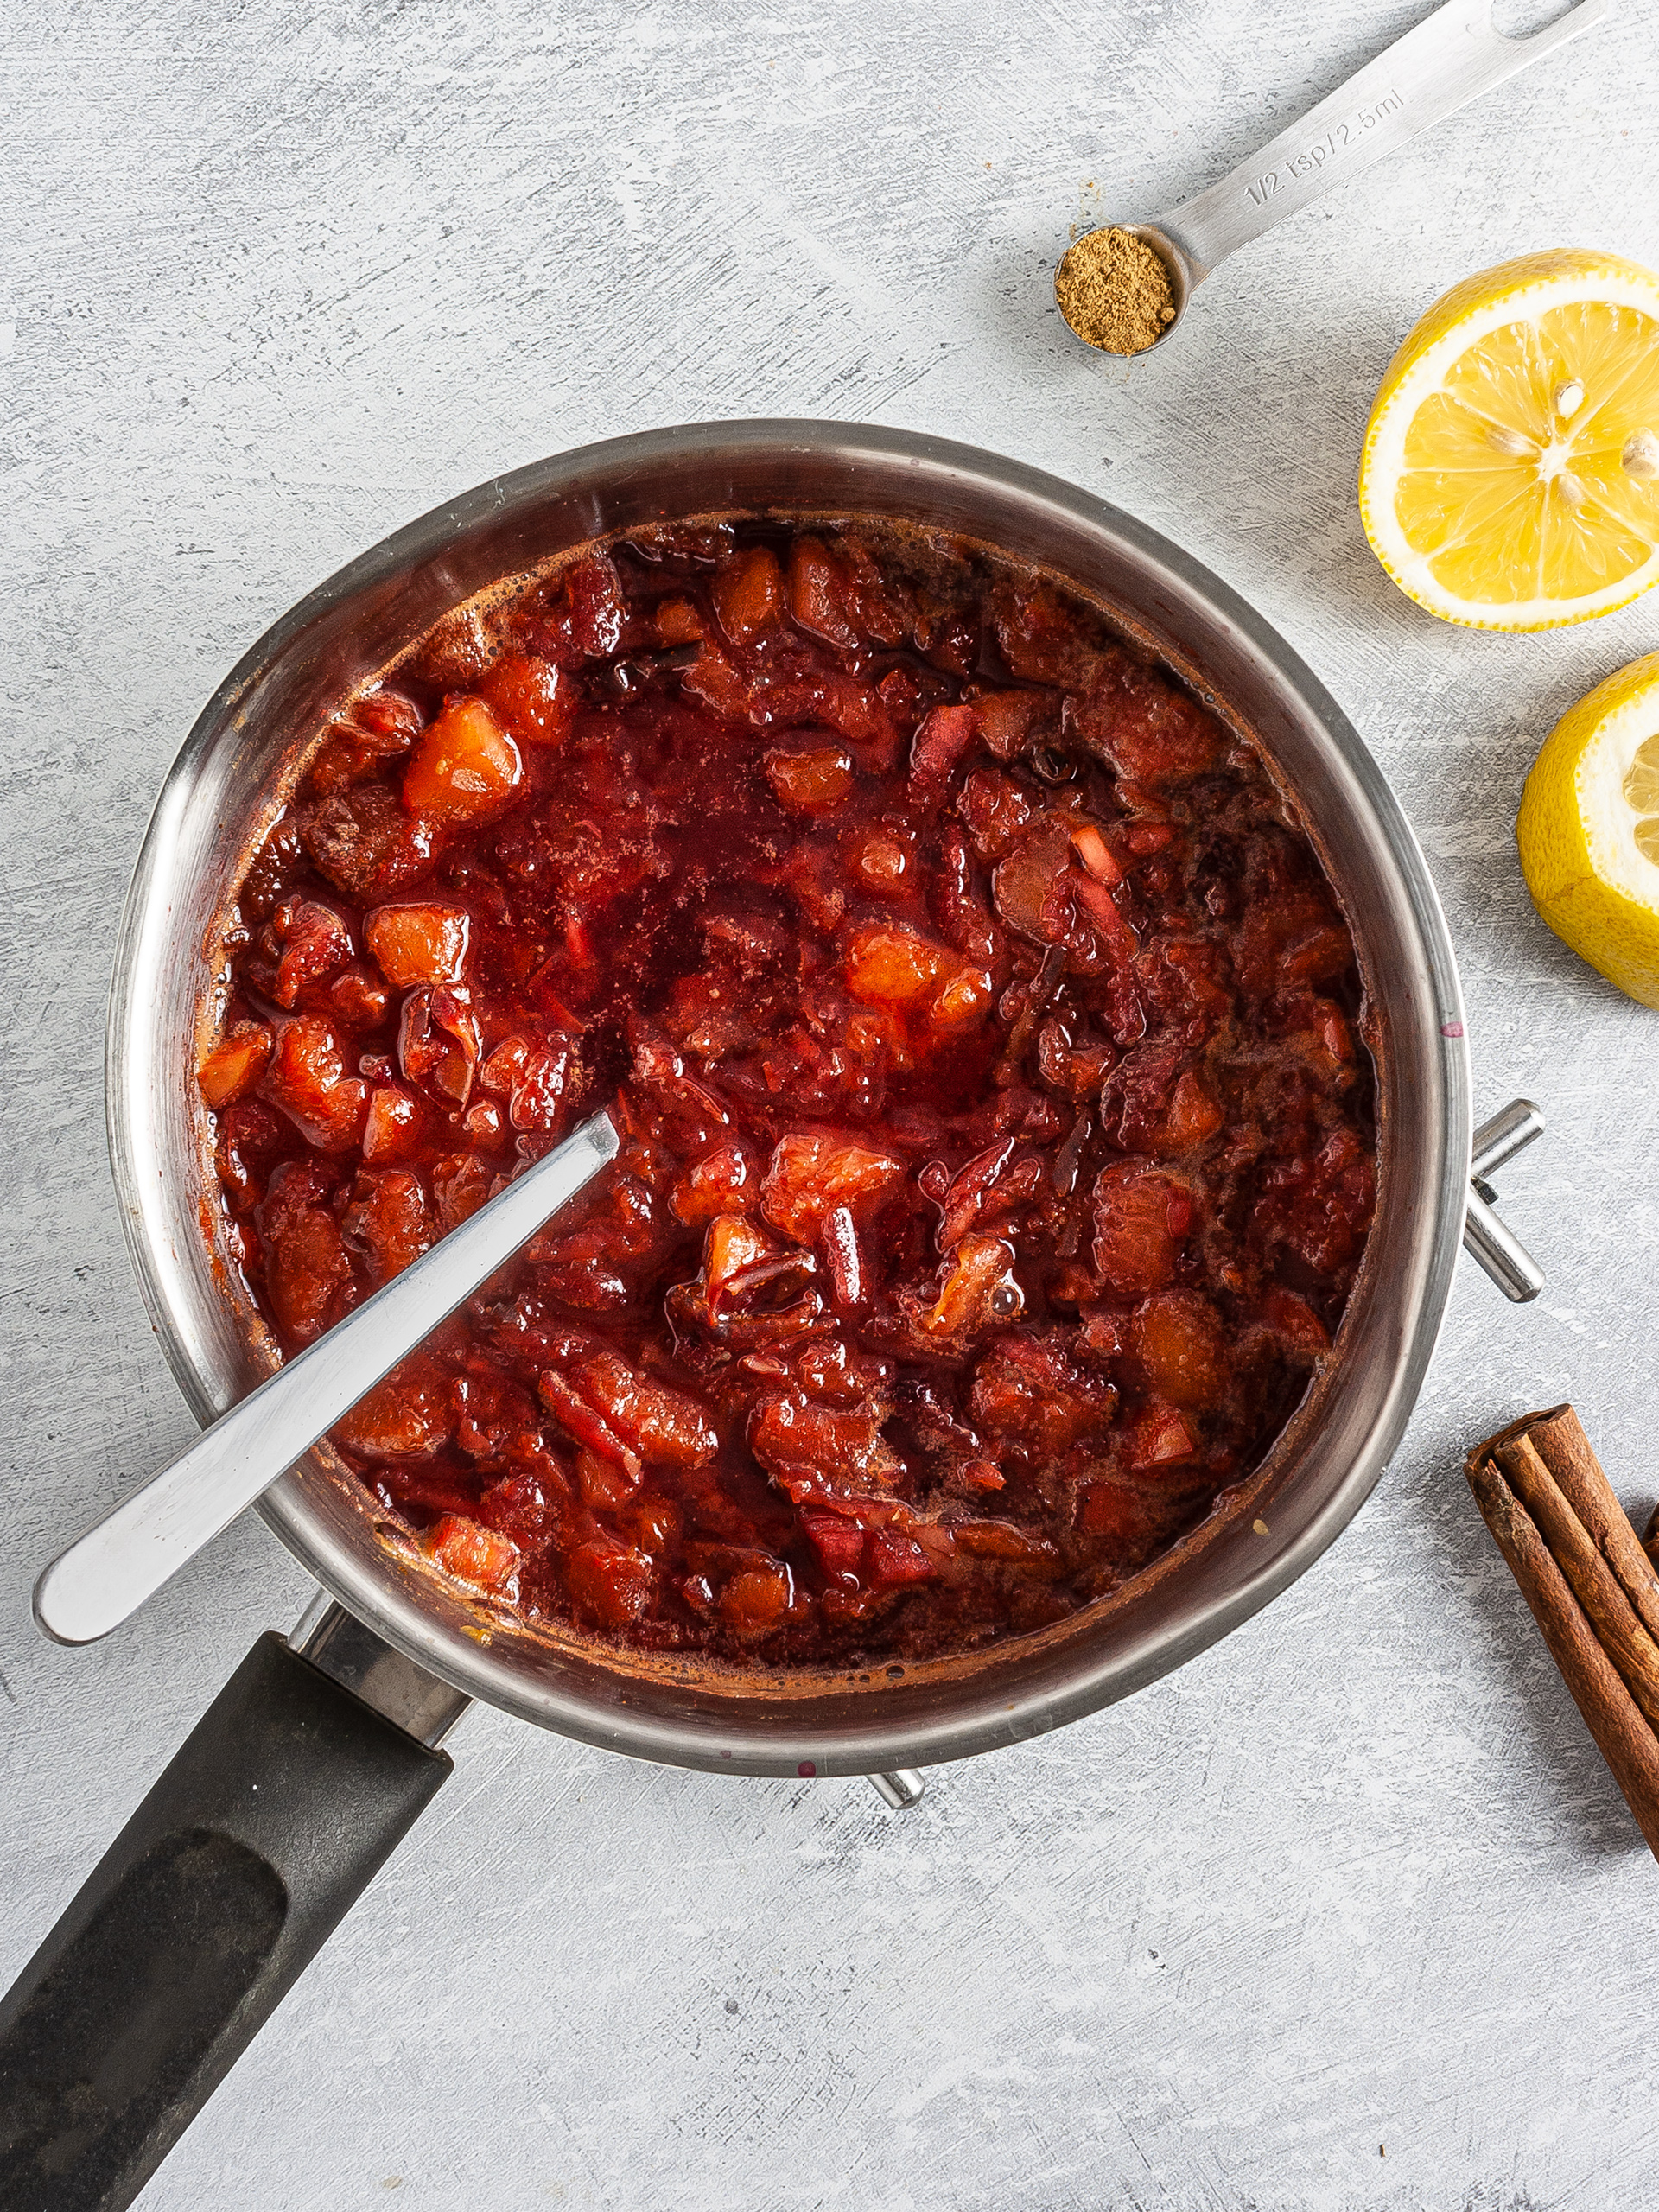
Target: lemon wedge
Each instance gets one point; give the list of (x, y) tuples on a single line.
[(1589, 829), (1510, 475)]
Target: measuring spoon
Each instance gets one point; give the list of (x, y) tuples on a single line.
[(1451, 58)]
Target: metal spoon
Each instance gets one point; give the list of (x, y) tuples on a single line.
[(1449, 59), (125, 1558)]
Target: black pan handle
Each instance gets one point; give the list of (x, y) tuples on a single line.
[(281, 1807)]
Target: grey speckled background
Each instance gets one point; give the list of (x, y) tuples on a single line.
[(280, 277)]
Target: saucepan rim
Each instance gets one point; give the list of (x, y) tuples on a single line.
[(398, 1604)]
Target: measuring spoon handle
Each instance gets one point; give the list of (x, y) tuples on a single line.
[(1451, 58)]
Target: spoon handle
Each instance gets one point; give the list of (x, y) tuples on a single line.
[(107, 1575), (1449, 59)]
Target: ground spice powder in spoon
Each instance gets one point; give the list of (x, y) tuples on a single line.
[(1114, 291)]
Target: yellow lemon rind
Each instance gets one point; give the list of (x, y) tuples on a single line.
[(1571, 868)]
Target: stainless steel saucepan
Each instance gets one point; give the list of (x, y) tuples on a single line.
[(323, 1748)]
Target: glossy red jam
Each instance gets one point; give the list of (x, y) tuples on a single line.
[(998, 1149)]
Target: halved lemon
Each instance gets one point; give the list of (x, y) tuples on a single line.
[(1589, 829), (1510, 475)]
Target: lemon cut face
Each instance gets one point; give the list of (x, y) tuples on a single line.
[(1588, 830), (1510, 474)]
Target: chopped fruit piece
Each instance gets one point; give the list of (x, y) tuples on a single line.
[(963, 1001), (812, 1173), (532, 698), (753, 1289), (437, 1044), (980, 1290), (747, 592), (677, 622), (812, 781), (419, 943), (965, 1195), (235, 1064), (1193, 1118), (1150, 732), (819, 593), (734, 1246), (1299, 1327), (839, 1543), (604, 1485), (938, 745), (716, 1183), (1319, 1205), (593, 594), (538, 1095), (1092, 851), (1141, 1220), (364, 843), (306, 1080), (712, 678), (1102, 909), (650, 1523), (389, 1221), (315, 941), (887, 967), (504, 1071), (998, 1540), (609, 1584), (755, 1602), (1030, 1389), (357, 999), (307, 1273), (1006, 719), (1118, 1511), (665, 1427), (786, 1433), (1159, 1436), (997, 812), (1177, 1337), (586, 1424), (408, 1416), (896, 1561), (454, 652), (1032, 887), (465, 767), (378, 728), (474, 1554), (460, 1184), (883, 861)]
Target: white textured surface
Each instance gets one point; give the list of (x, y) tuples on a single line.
[(285, 276)]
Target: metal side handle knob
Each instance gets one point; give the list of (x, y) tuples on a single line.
[(1490, 1240)]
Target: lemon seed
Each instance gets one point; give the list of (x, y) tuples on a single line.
[(1640, 455), (1509, 441), (1568, 397)]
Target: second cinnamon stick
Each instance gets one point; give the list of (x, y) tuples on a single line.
[(1622, 1735), (1596, 1586)]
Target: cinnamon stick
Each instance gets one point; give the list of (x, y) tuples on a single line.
[(1558, 1438), (1622, 1735), (1595, 1585)]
